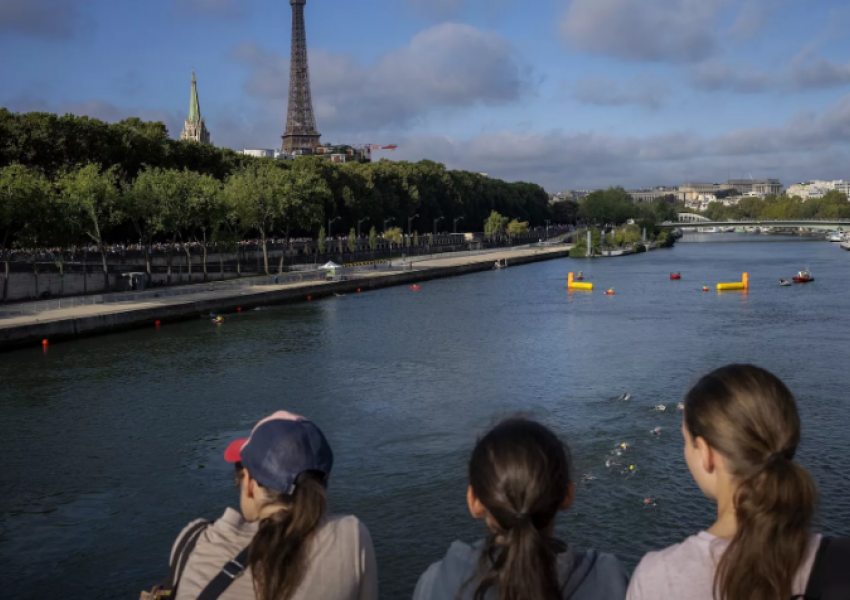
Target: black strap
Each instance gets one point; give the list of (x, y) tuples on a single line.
[(233, 569), (830, 577), (181, 555)]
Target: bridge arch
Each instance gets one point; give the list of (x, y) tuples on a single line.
[(692, 218)]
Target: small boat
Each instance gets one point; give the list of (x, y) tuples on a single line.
[(803, 277), (784, 282), (675, 275), (579, 277), (834, 236)]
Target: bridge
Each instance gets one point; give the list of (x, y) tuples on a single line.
[(691, 220)]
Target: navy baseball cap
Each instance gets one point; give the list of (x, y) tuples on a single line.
[(281, 447)]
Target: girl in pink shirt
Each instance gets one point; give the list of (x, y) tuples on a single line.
[(741, 431)]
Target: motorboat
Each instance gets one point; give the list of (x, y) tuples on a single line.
[(675, 275), (803, 277), (846, 245), (784, 282), (835, 236)]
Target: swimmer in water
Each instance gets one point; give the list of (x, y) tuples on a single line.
[(625, 397), (660, 407), (589, 477), (681, 406), (218, 320), (656, 431), (624, 446), (647, 502), (612, 463)]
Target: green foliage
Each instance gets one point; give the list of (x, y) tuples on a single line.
[(373, 239), (612, 206), (579, 250), (565, 212), (322, 240), (833, 205), (393, 235), (416, 238), (495, 224), (352, 240), (517, 228)]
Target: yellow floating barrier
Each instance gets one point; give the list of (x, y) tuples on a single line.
[(742, 285), (572, 284)]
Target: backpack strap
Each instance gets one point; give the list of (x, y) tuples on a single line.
[(230, 572), (181, 555), (830, 577)]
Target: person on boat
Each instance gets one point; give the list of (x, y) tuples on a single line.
[(741, 430), (519, 479), (281, 545)]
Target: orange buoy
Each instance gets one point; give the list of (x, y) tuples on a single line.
[(358, 290), (239, 309), (45, 343), (610, 292), (309, 298), (157, 323), (415, 287), (704, 288)]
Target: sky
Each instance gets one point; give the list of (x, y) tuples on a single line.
[(570, 94)]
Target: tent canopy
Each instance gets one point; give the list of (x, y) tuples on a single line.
[(330, 265)]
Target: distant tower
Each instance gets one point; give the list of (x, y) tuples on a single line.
[(301, 136), (195, 129)]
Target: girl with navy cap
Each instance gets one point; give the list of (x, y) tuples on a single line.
[(283, 545)]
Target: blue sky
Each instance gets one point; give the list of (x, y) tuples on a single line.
[(566, 93)]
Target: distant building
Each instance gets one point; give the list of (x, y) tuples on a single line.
[(818, 188), (195, 128), (266, 153), (649, 195), (691, 191), (762, 187)]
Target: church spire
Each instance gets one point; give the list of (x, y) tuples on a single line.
[(194, 105), (195, 129)]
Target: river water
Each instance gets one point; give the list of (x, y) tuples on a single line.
[(112, 444)]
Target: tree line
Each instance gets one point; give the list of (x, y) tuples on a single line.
[(70, 180), (833, 205)]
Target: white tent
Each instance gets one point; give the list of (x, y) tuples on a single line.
[(330, 265)]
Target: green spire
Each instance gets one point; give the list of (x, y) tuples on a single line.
[(194, 105)]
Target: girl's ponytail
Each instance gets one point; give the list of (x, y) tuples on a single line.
[(277, 555), (520, 473), (750, 417)]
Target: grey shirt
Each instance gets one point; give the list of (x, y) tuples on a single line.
[(586, 575), (341, 560)]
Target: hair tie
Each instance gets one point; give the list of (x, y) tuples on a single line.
[(787, 454), (522, 517)]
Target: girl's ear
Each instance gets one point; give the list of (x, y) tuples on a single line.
[(706, 453), (476, 509), (249, 485), (568, 499)]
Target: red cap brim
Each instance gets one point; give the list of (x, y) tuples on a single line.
[(233, 454)]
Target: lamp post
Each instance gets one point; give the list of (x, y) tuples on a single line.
[(437, 220), (455, 223), (410, 224), (358, 225), (547, 230), (331, 222)]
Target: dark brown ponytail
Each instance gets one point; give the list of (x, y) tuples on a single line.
[(750, 417), (277, 556), (520, 472)]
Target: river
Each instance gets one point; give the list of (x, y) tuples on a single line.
[(112, 444)]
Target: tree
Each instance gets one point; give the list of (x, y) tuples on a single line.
[(394, 236), (373, 239), (565, 212), (300, 202), (612, 206), (256, 192), (495, 225), (20, 187), (206, 213), (517, 228), (321, 240), (92, 195), (143, 204), (352, 240)]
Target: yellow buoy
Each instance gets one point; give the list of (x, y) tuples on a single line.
[(572, 284), (742, 285)]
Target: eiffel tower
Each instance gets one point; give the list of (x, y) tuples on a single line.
[(301, 136)]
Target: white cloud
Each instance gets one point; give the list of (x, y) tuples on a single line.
[(446, 67)]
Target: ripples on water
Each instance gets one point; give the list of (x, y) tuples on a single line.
[(113, 444)]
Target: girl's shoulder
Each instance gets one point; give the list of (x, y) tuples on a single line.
[(688, 565), (593, 574)]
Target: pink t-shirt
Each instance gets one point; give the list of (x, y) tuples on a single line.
[(686, 570)]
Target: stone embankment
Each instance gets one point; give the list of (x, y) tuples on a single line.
[(82, 321)]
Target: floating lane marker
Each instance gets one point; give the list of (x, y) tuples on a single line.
[(572, 284)]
